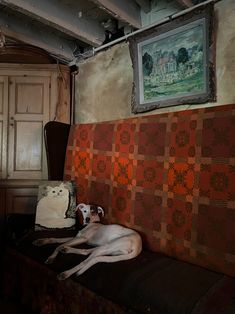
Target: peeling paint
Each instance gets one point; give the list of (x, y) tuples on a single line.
[(103, 87)]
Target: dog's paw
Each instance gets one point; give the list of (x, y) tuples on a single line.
[(50, 260), (79, 273), (39, 242), (64, 249), (62, 276)]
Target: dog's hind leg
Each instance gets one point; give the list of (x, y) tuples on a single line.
[(121, 249), (104, 259), (91, 260)]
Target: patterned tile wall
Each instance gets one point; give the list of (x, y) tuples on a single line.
[(169, 176)]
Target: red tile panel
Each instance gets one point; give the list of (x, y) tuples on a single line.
[(181, 178), (217, 181), (102, 166), (149, 174), (152, 138), (218, 138), (121, 205), (81, 162), (103, 136), (82, 189), (148, 211), (216, 228), (179, 219), (99, 194), (123, 170), (84, 135), (182, 138), (125, 138)]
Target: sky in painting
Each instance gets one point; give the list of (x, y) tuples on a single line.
[(173, 42)]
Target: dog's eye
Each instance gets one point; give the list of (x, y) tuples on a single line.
[(53, 191), (85, 211), (60, 190)]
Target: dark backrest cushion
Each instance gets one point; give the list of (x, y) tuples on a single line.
[(56, 137)]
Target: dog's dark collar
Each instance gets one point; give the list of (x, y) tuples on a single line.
[(93, 222)]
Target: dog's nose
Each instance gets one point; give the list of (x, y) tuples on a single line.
[(87, 219)]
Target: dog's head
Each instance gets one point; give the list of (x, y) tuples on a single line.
[(90, 213)]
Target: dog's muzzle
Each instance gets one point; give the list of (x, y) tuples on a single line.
[(87, 220)]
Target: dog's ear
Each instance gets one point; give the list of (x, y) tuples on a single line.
[(100, 211), (81, 206)]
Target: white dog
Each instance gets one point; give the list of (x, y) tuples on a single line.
[(112, 243)]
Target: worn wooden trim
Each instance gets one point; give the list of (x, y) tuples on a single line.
[(33, 67)]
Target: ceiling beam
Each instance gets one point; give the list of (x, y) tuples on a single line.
[(15, 27), (61, 17), (186, 3), (145, 5), (127, 11)]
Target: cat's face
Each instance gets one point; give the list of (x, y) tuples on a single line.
[(57, 191)]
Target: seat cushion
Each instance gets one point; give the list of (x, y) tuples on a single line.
[(149, 283)]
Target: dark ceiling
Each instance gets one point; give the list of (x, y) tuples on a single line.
[(68, 28)]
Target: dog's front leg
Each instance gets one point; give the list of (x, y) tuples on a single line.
[(74, 241), (94, 252), (44, 241)]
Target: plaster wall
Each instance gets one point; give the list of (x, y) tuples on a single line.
[(159, 10), (103, 87)]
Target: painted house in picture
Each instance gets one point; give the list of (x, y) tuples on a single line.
[(173, 63)]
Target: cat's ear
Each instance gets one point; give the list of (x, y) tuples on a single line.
[(61, 185), (49, 188)]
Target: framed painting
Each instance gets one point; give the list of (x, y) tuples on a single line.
[(173, 63)]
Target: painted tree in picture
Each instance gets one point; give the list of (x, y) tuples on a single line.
[(174, 65)]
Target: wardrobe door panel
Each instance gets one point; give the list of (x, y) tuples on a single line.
[(29, 111), (21, 200), (28, 146)]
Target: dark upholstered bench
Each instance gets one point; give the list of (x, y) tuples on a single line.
[(150, 283)]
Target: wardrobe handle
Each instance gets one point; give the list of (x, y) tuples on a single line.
[(12, 121)]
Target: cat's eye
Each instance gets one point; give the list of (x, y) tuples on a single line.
[(53, 191), (61, 190)]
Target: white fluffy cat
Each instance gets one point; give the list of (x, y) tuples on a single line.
[(51, 208)]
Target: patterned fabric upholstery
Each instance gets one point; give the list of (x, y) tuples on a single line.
[(169, 176)]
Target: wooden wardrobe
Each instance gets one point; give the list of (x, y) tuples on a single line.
[(30, 96)]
